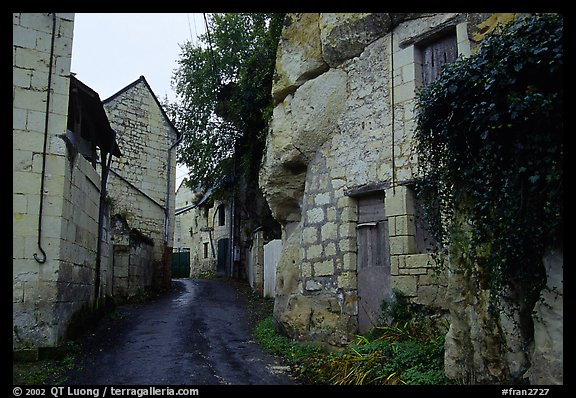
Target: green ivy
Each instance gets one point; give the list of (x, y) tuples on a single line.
[(489, 141)]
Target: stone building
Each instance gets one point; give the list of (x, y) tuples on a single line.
[(90, 221), (59, 131), (338, 175), (338, 170), (203, 229), (141, 186)]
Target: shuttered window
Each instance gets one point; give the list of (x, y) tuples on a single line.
[(437, 53)]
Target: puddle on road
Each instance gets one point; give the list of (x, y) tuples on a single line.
[(190, 294)]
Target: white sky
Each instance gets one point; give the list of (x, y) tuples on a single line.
[(110, 51)]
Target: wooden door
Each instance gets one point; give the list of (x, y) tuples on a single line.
[(373, 260)]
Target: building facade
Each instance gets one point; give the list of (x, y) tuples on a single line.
[(203, 231), (59, 270), (141, 186), (90, 221)]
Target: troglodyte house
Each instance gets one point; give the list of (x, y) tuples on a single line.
[(338, 175)]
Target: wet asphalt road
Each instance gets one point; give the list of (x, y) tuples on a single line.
[(195, 335)]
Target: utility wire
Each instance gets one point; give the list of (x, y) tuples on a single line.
[(190, 29), (216, 79)]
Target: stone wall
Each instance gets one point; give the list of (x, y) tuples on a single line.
[(138, 182), (132, 260), (47, 295), (337, 127)]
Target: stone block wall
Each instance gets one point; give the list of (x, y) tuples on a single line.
[(47, 295), (412, 268), (132, 261)]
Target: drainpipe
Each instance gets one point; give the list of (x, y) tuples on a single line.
[(167, 210), (105, 171), (43, 259), (232, 218), (392, 105)]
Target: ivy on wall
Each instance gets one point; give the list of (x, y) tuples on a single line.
[(489, 141)]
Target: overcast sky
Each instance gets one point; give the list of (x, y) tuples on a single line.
[(110, 51)]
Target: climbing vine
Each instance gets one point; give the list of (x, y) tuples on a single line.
[(489, 141)]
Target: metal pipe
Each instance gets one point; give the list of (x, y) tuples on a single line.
[(43, 259), (167, 210), (392, 106), (105, 164)]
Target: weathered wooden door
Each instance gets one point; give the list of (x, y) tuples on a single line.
[(373, 260)]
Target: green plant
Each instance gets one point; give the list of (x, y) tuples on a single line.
[(489, 141), (50, 370), (394, 357)]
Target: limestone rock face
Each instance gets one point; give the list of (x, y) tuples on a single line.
[(300, 125), (486, 348), (299, 55), (345, 35), (547, 354)]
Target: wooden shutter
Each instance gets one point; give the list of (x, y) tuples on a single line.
[(436, 54)]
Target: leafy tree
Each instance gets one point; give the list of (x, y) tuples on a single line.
[(224, 87), (489, 140)]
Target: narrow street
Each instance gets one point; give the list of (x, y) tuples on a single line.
[(195, 335)]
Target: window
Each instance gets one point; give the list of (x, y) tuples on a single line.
[(437, 53), (221, 215), (205, 249)]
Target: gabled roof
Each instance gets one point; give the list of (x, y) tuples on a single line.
[(143, 80)]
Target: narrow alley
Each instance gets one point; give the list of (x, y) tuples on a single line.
[(196, 335)]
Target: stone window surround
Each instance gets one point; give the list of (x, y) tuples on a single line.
[(418, 42)]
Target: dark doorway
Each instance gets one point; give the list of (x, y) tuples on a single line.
[(222, 259)]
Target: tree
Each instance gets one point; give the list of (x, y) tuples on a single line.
[(224, 88)]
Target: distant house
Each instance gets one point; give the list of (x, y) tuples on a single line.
[(203, 231), (141, 186)]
